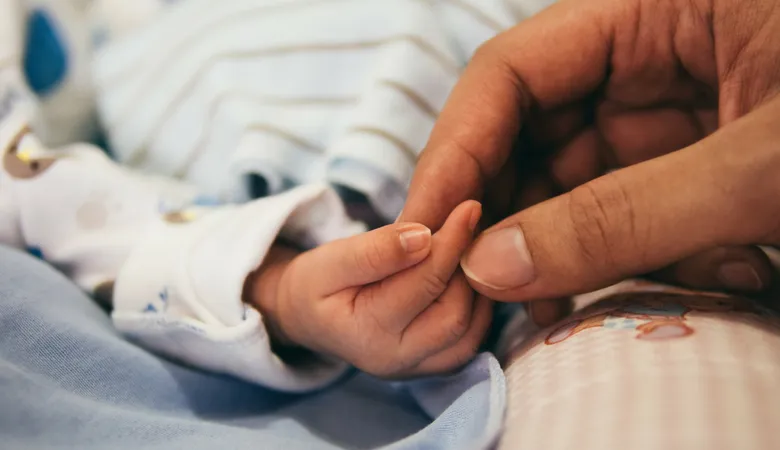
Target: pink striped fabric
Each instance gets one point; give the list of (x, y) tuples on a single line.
[(646, 367)]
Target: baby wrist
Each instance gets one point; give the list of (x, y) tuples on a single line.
[(264, 290)]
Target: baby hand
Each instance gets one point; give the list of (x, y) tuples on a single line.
[(392, 301)]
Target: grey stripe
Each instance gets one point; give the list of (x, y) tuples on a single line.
[(267, 128), (413, 97), (200, 146), (408, 151), (478, 15), (187, 87), (205, 33)]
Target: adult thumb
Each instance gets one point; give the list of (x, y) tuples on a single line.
[(637, 219)]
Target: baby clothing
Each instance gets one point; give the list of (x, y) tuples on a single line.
[(343, 92)]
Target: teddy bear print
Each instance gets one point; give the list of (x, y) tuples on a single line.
[(653, 316), (182, 213), (22, 158)]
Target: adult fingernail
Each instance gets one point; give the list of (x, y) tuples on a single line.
[(500, 260), (740, 276), (415, 238)]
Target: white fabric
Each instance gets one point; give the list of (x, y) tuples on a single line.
[(10, 33), (300, 91), (179, 293)]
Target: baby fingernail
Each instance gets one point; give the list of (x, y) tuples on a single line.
[(740, 276), (415, 238), (500, 260)]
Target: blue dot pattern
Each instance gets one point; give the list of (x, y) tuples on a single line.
[(163, 296), (35, 251), (46, 56)]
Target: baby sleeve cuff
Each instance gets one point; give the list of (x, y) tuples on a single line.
[(179, 293)]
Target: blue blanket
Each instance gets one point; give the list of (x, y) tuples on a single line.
[(67, 379)]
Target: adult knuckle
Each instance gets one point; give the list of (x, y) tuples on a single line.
[(603, 218), (485, 51), (494, 49)]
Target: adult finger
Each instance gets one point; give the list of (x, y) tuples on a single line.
[(552, 59), (637, 219), (580, 160), (546, 312), (736, 269)]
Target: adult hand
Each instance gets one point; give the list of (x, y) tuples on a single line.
[(636, 85)]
